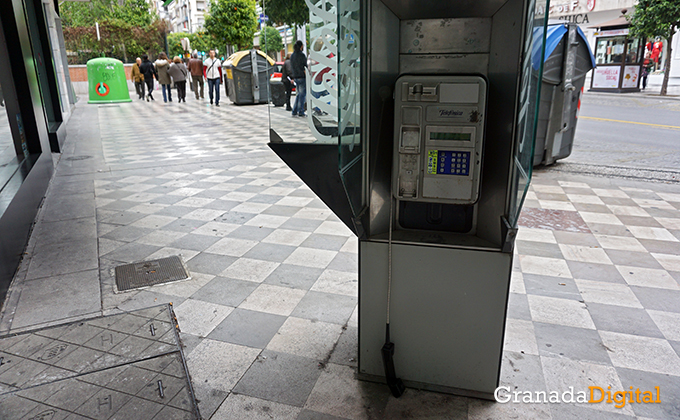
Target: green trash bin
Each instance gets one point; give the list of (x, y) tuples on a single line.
[(106, 81)]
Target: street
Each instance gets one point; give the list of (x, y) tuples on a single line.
[(624, 131)]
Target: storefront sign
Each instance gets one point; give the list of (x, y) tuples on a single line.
[(606, 77), (564, 7), (630, 77), (577, 19), (561, 6), (612, 32)]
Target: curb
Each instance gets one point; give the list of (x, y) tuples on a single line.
[(669, 97)]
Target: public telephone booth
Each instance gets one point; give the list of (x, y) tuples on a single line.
[(618, 57), (419, 136)]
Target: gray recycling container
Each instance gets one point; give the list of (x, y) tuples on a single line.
[(248, 74), (567, 60)]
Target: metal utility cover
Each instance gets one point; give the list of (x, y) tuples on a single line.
[(148, 273), (125, 366)]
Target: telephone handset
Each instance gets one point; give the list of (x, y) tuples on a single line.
[(438, 141)]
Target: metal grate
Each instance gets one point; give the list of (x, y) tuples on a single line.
[(84, 157), (148, 273), (120, 346)]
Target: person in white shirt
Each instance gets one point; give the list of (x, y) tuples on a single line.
[(212, 70)]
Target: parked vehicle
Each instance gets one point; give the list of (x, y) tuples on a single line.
[(276, 75)]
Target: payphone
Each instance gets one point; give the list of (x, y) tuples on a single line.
[(433, 195), (439, 137)]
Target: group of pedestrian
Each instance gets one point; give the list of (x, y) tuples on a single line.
[(175, 72)]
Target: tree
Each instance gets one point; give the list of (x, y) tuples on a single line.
[(200, 41), (654, 18), (118, 40), (232, 22), (132, 12), (288, 12), (272, 40)]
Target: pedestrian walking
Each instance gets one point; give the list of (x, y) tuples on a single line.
[(178, 71), (196, 69), (298, 63), (645, 73), (149, 71), (163, 77), (212, 70), (138, 78), (287, 79)]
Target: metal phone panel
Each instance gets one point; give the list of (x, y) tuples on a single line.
[(439, 135), (436, 36), (444, 63)]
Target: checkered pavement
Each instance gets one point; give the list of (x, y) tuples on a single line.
[(269, 317), (597, 290)]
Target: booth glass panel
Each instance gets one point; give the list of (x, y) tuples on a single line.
[(320, 126), (351, 148), (532, 72)]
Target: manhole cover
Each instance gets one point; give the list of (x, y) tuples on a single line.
[(148, 273), (78, 157)]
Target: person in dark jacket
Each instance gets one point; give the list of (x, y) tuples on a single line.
[(178, 72), (298, 62), (149, 71), (287, 80), (196, 69)]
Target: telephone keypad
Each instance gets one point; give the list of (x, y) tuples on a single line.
[(453, 163)]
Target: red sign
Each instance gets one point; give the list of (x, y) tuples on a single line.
[(100, 91), (590, 5)]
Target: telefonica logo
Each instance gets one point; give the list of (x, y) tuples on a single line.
[(594, 395), (450, 113)]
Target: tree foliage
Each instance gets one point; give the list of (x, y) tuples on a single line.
[(200, 41), (272, 40), (654, 18), (118, 40), (132, 12), (232, 22), (288, 12)]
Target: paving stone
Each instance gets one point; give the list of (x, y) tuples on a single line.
[(326, 307), (570, 342), (224, 291), (280, 377), (248, 328)]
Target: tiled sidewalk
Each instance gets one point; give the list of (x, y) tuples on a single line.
[(269, 318)]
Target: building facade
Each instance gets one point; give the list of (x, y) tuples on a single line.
[(588, 14), (37, 100), (186, 15)]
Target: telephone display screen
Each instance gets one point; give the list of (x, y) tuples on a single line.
[(448, 162), (451, 136)]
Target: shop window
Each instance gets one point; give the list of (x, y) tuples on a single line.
[(633, 51), (610, 50)]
